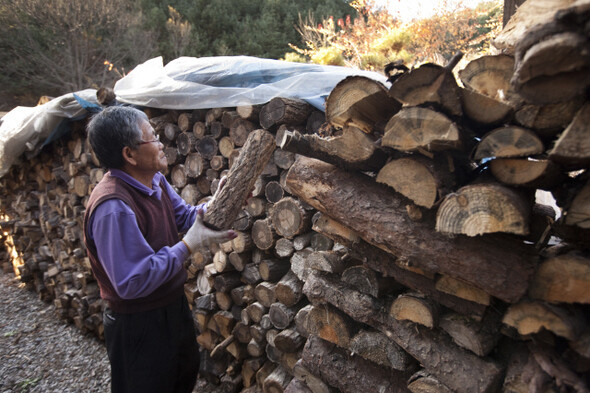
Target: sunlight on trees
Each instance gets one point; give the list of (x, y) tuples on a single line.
[(375, 38), (178, 30)]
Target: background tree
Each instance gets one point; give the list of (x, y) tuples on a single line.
[(374, 37), (68, 45)]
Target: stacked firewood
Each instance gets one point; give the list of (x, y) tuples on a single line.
[(396, 243)]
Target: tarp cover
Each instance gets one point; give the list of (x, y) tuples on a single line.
[(184, 83), (228, 81)]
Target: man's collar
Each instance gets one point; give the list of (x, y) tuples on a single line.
[(155, 190)]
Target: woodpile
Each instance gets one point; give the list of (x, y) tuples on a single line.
[(396, 244)]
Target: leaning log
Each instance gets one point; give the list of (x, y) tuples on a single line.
[(240, 180)]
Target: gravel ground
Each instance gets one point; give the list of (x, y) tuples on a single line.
[(42, 353), (39, 352)]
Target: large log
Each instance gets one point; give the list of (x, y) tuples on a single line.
[(500, 270), (349, 372), (253, 157), (460, 370)]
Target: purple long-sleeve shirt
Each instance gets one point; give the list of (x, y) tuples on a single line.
[(134, 268)]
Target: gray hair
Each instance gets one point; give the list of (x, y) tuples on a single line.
[(110, 130)]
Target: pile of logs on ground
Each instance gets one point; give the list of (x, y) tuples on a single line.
[(394, 243)]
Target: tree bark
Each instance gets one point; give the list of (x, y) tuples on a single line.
[(500, 270), (240, 180)]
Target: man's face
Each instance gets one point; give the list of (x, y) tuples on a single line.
[(151, 157)]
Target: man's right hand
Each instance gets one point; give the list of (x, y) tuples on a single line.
[(199, 235)]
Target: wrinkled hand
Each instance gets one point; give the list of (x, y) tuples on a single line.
[(199, 235)]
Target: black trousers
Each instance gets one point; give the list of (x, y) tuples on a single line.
[(152, 351)]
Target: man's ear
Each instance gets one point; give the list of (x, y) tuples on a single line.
[(128, 155)]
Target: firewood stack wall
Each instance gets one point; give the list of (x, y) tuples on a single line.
[(393, 243)]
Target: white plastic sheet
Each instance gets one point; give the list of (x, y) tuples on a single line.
[(26, 128), (184, 83), (228, 81)]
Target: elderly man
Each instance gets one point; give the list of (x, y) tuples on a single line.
[(131, 230)]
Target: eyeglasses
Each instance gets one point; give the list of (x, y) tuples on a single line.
[(155, 140)]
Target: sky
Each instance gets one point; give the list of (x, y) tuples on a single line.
[(406, 10)]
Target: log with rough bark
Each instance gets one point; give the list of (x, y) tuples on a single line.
[(353, 150), (478, 336), (284, 111), (240, 180), (453, 366), (502, 270), (380, 349), (360, 102), (349, 372)]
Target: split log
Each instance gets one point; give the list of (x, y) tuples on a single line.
[(502, 271), (367, 281), (415, 128), (418, 178), (297, 386), (531, 173), (480, 337), (249, 112), (529, 317), (490, 76), (277, 381), (484, 208), (551, 63), (239, 131), (456, 368), (207, 147), (563, 278), (289, 340), (289, 290), (423, 382), (416, 308), (353, 150), (572, 149), (348, 372), (360, 102), (430, 83), (263, 234), (550, 119), (240, 180), (509, 141), (284, 111), (313, 382), (380, 349), (272, 269), (332, 325), (289, 217), (462, 289), (483, 109), (281, 316)]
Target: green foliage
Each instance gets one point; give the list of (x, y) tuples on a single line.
[(261, 28), (328, 56)]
